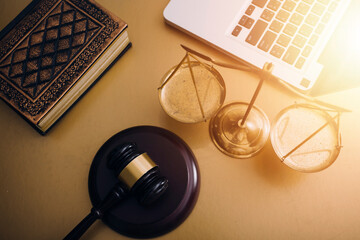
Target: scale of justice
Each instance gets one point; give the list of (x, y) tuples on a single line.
[(144, 181), (305, 136)]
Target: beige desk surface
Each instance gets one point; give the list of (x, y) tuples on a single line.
[(43, 180)]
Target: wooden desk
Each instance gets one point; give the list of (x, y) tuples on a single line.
[(43, 180)]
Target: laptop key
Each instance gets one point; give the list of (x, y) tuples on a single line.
[(283, 40), (267, 41), (299, 41), (256, 32), (326, 18), (291, 54), (314, 38), (312, 19), (267, 15), (276, 26), (306, 52), (277, 51), (247, 22), (303, 8), (282, 15), (296, 19), (259, 3), (300, 62), (274, 5), (318, 9), (250, 10), (236, 31), (243, 20), (289, 5), (290, 29), (306, 30)]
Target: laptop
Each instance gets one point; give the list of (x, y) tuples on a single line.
[(291, 34)]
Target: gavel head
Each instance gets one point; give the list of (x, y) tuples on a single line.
[(138, 172)]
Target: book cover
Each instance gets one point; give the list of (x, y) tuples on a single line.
[(49, 48)]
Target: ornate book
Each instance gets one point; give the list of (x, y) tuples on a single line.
[(52, 52)]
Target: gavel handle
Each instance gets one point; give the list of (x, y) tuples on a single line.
[(81, 228), (117, 194)]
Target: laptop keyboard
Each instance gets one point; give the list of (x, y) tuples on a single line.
[(286, 29)]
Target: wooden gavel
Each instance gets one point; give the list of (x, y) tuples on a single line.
[(138, 175)]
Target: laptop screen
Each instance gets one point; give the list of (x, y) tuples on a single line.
[(341, 57)]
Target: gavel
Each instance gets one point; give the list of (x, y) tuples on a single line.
[(137, 174)]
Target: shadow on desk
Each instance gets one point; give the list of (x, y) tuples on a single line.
[(195, 135), (269, 166)]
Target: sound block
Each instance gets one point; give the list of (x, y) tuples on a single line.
[(176, 162)]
